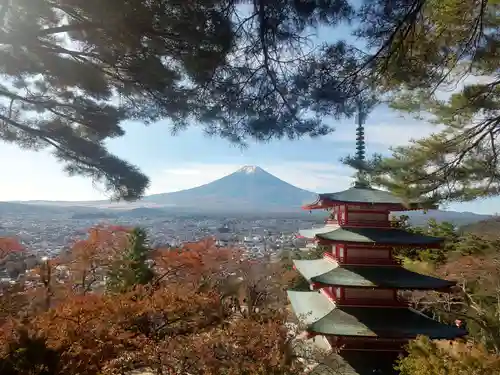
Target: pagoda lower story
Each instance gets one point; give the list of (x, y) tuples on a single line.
[(354, 308)]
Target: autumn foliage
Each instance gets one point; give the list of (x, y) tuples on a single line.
[(9, 245), (448, 358), (188, 319)]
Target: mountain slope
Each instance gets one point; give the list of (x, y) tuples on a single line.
[(489, 228), (419, 218), (249, 188)]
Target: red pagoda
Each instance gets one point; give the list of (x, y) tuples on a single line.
[(354, 306)]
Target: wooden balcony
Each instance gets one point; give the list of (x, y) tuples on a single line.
[(360, 223), (370, 261), (362, 260)]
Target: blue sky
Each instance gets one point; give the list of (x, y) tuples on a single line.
[(191, 159)]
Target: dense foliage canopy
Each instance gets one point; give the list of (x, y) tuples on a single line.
[(448, 358), (472, 261)]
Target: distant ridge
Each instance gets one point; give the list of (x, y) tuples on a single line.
[(419, 218)]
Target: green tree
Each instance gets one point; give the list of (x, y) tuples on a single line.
[(133, 268), (426, 357), (433, 228), (472, 244), (440, 46)]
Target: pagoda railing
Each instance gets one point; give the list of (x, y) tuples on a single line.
[(360, 223), (363, 260), (368, 261), (337, 295)]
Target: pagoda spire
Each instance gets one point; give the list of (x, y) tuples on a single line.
[(361, 178)]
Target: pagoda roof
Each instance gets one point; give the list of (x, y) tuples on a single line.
[(366, 195), (324, 317), (328, 272), (386, 236)]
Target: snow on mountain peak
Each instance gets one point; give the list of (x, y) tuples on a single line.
[(249, 169)]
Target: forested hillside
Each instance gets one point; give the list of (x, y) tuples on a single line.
[(471, 256), (486, 228), (112, 304)]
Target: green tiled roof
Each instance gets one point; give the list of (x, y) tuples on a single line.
[(387, 236), (323, 317), (330, 273), (367, 195), (363, 195)]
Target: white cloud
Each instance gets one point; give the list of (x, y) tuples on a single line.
[(454, 87), (29, 175), (384, 135), (183, 171)]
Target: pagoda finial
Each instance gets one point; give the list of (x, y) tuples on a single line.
[(361, 180)]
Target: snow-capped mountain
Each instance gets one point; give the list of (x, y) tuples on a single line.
[(249, 188)]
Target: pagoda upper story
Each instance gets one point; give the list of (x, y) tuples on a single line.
[(359, 229)]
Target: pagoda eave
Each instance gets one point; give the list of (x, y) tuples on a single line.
[(315, 206), (386, 207), (328, 204), (322, 241), (346, 343), (316, 285), (377, 236), (323, 317), (311, 233), (368, 197), (326, 273)]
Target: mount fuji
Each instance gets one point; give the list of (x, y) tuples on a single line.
[(250, 188)]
